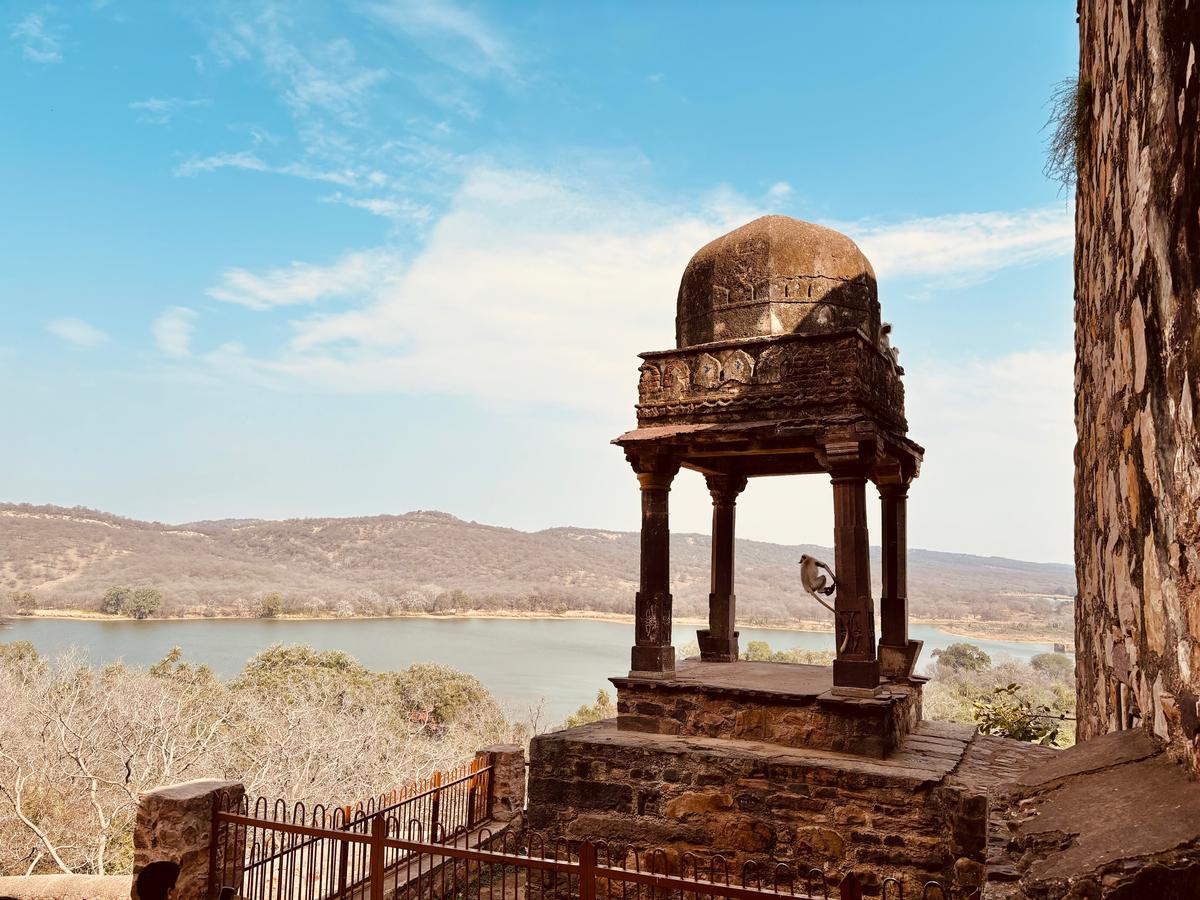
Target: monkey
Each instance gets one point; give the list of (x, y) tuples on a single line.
[(814, 583), (885, 344)]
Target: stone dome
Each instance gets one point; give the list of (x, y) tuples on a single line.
[(776, 275)]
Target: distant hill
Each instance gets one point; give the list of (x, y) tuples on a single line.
[(433, 562)]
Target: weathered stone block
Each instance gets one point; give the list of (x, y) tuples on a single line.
[(809, 807), (508, 780), (174, 829), (797, 710)]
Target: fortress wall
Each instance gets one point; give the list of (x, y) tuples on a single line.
[(1137, 371)]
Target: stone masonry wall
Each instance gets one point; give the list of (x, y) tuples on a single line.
[(755, 801), (866, 727), (1137, 341)]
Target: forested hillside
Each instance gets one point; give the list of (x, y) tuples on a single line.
[(433, 562)]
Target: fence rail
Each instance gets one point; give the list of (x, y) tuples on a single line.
[(383, 862), (265, 849)]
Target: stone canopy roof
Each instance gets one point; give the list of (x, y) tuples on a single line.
[(776, 275)]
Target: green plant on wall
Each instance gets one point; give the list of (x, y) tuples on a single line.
[(1005, 713)]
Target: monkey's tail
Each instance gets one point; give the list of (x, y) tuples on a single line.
[(822, 602)]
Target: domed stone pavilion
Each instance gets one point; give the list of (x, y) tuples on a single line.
[(781, 367)]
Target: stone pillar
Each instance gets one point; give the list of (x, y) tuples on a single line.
[(855, 669), (508, 781), (719, 642), (652, 651), (897, 654), (174, 829)]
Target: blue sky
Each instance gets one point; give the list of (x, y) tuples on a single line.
[(268, 259)]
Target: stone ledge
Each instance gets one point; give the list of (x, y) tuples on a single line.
[(776, 703), (926, 756)]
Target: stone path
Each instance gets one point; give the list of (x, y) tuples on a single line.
[(1112, 817)]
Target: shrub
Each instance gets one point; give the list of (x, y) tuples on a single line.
[(115, 600), (24, 602), (273, 605), (144, 602), (1056, 664), (603, 708), (1007, 714), (963, 656)]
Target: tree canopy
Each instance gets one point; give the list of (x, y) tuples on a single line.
[(963, 656)]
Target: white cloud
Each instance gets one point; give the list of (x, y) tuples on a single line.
[(530, 290), (39, 40), (450, 33), (539, 290), (252, 163), (160, 110), (173, 331), (318, 78), (964, 247), (397, 209), (76, 331), (780, 190), (354, 275)]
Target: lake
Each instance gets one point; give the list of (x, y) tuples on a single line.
[(561, 662)]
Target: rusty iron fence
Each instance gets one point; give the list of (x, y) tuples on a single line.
[(270, 849), (382, 856)]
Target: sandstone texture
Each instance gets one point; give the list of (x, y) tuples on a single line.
[(174, 824), (745, 800), (832, 379), (1114, 817), (1137, 342), (775, 275), (508, 781), (769, 702)]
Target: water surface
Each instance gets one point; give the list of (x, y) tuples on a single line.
[(559, 662)]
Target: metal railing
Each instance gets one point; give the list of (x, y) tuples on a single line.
[(265, 849), (385, 858)]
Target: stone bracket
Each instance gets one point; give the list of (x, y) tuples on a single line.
[(899, 662)]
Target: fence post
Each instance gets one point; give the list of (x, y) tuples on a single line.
[(472, 791), (378, 835), (850, 888), (491, 784), (587, 871), (435, 807)]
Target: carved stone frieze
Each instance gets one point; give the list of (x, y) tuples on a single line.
[(773, 378)]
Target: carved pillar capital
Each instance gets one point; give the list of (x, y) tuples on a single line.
[(893, 491), (655, 470), (724, 489), (847, 460)]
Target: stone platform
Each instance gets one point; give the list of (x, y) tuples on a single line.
[(775, 703), (744, 799)]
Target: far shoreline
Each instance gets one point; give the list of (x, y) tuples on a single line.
[(958, 628)]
